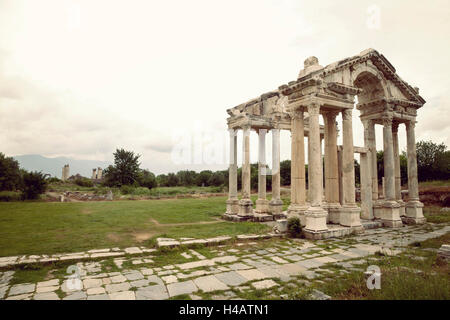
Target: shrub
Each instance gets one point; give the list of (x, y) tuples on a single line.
[(127, 189), (54, 180), (34, 184), (294, 227), (10, 196), (84, 182)]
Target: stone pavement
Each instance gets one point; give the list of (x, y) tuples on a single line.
[(218, 272)]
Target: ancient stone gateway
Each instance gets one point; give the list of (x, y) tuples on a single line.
[(330, 208)]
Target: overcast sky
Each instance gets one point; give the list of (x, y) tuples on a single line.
[(79, 78)]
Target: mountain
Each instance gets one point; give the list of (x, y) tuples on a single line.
[(53, 166)]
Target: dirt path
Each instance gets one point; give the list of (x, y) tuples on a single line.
[(185, 223)]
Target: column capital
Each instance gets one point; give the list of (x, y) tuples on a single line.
[(410, 124), (347, 114), (387, 120), (233, 132), (313, 108), (296, 114), (367, 123)]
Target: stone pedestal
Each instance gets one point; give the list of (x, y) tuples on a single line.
[(414, 213), (276, 206), (390, 216), (334, 212), (232, 206), (316, 218), (350, 216)]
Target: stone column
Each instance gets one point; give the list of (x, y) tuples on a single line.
[(414, 208), (331, 167), (276, 204), (232, 202), (298, 187), (246, 204), (398, 180), (366, 187), (391, 213), (367, 190), (316, 216), (350, 212), (261, 202)]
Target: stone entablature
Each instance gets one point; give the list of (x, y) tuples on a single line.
[(383, 99)]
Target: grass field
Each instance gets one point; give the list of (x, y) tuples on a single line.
[(51, 227)]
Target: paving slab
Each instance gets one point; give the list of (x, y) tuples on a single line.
[(80, 295), (231, 278), (19, 289), (156, 292), (184, 287), (252, 274), (238, 266), (46, 289), (94, 291), (264, 284), (210, 283), (122, 295), (46, 296), (99, 297), (292, 269), (48, 283), (135, 275), (111, 288)]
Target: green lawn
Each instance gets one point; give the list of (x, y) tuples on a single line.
[(51, 227)]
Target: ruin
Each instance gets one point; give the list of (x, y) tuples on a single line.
[(65, 172), (97, 173), (330, 208)]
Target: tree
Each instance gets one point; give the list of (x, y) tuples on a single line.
[(147, 179), (203, 178), (216, 179), (431, 160), (186, 177), (34, 184), (125, 170), (285, 172), (10, 178), (161, 180), (172, 180)]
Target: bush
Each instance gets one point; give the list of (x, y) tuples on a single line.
[(34, 184), (10, 196), (127, 189), (54, 180), (294, 227), (84, 182)]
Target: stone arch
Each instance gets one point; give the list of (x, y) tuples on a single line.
[(372, 83)]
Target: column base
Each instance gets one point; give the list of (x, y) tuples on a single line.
[(316, 220), (350, 216), (402, 209), (298, 211), (377, 209), (232, 206), (333, 212), (245, 207), (262, 206), (414, 212), (391, 215), (276, 206)]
